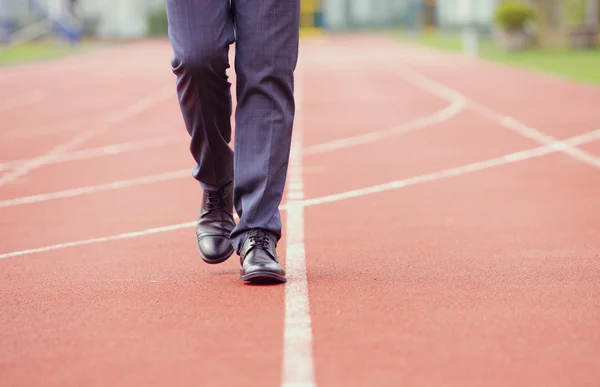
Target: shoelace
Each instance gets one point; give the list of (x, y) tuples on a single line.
[(213, 200), (259, 239)]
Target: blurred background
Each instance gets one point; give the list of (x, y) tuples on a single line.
[(558, 36)]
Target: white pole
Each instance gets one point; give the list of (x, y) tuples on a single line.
[(591, 13), (470, 39)]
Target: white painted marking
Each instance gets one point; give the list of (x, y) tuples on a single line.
[(29, 99), (123, 114), (50, 129), (458, 171), (127, 235), (297, 352), (438, 117), (420, 123), (108, 150), (173, 175), (295, 196), (542, 138), (96, 188), (456, 106), (449, 94)]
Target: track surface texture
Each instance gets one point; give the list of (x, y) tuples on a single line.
[(442, 228)]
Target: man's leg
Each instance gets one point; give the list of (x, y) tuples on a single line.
[(201, 32), (267, 34)]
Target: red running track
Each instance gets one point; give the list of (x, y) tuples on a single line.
[(442, 227)]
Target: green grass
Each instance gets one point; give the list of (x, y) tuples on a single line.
[(34, 51), (578, 65)]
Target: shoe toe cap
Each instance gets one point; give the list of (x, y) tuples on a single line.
[(215, 249), (270, 267), (262, 271)]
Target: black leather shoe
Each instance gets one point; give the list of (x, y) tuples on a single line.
[(258, 258), (215, 224)]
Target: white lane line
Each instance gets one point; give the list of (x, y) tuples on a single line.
[(297, 340), (455, 107), (118, 116), (542, 138), (449, 94), (422, 122), (96, 188), (438, 117), (50, 129), (462, 170), (107, 150), (179, 174), (127, 235), (27, 100), (458, 171)]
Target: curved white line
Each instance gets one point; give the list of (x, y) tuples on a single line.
[(449, 94), (50, 129), (438, 117), (510, 158), (107, 150), (111, 186), (115, 117)]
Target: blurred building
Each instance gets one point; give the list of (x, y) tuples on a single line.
[(120, 19), (129, 18), (117, 18), (437, 14), (125, 19)]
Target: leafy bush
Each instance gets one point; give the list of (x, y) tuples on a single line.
[(513, 15)]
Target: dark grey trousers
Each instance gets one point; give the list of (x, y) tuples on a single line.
[(265, 33)]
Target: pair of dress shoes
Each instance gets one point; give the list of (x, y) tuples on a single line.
[(258, 255)]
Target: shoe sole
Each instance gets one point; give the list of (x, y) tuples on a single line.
[(265, 277)]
